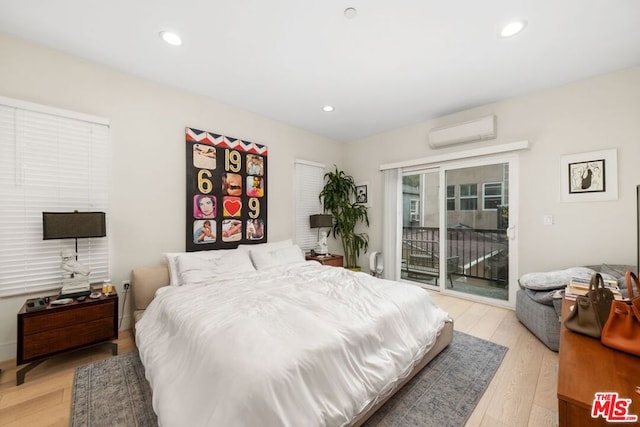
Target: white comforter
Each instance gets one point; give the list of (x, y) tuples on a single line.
[(296, 345)]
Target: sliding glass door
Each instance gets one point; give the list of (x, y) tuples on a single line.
[(421, 227), (456, 232)]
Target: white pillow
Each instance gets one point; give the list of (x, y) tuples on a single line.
[(270, 258), (172, 258), (550, 280), (202, 268), (271, 246)]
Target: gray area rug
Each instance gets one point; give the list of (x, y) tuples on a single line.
[(114, 392), (447, 390)]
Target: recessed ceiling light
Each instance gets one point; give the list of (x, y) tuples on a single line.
[(350, 13), (512, 28), (327, 108), (172, 38)]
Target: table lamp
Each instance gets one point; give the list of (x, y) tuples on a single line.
[(73, 225), (321, 221)]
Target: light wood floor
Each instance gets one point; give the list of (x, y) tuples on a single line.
[(522, 393), (524, 390)]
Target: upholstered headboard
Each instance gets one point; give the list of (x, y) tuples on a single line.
[(145, 281)]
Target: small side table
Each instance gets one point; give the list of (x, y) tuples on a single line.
[(332, 260), (57, 329)]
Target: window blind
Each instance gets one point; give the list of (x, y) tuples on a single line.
[(392, 223), (309, 180), (50, 160)]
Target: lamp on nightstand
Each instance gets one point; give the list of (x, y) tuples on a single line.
[(321, 221), (73, 225)]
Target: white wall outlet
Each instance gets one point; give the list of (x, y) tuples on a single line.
[(547, 219)]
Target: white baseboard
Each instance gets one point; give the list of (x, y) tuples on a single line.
[(8, 351), (126, 323)]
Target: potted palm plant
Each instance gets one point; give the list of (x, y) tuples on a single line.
[(338, 198)]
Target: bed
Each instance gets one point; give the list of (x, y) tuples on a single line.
[(259, 336)]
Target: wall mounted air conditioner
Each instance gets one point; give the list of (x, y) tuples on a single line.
[(473, 130)]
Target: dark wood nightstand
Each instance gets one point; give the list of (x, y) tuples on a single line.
[(60, 328), (333, 260)]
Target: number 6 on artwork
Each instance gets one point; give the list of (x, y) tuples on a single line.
[(204, 182)]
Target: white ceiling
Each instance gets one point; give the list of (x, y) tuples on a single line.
[(397, 63)]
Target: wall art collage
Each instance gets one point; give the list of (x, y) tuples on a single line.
[(226, 191)]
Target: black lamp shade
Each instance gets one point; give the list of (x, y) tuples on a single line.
[(320, 220), (69, 225)]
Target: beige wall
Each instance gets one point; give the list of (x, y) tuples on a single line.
[(147, 170), (594, 114), (147, 182)]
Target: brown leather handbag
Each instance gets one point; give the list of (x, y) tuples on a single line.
[(622, 330), (590, 311)]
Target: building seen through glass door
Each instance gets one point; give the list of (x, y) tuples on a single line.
[(467, 251)]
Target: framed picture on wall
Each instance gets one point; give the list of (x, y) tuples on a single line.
[(587, 177), (226, 191), (362, 193)]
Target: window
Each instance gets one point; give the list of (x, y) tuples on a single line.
[(414, 210), (451, 197), (468, 197), (309, 181), (50, 160), (491, 195)]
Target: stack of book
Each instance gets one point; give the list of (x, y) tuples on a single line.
[(74, 290), (579, 286)]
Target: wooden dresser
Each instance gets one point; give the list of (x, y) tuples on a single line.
[(61, 328), (586, 367)]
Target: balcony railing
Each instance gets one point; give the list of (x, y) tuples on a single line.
[(470, 252)]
